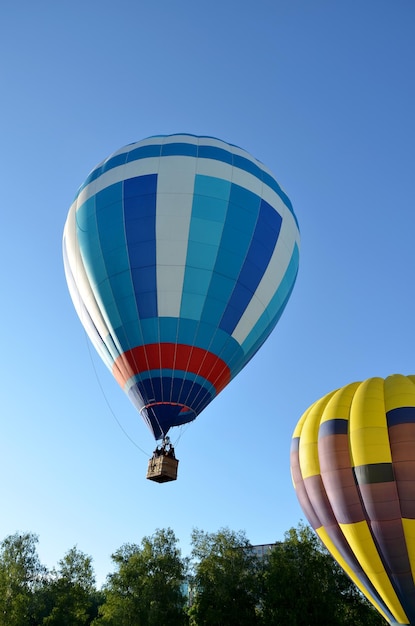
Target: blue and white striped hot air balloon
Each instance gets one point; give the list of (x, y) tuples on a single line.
[(180, 255)]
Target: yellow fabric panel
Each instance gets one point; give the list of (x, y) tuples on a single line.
[(338, 557), (338, 406), (368, 403), (370, 445), (308, 449), (399, 391), (409, 532), (369, 440), (361, 543)]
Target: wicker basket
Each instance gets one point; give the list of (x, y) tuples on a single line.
[(162, 468)]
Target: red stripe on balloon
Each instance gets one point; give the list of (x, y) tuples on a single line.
[(172, 356)]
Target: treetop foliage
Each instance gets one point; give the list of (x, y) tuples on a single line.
[(222, 583)]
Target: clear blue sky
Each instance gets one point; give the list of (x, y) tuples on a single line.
[(323, 93)]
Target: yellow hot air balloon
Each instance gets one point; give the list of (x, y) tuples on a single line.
[(353, 468)]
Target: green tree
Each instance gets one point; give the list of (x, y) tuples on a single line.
[(72, 596), (146, 588), (22, 577), (304, 586), (226, 589)]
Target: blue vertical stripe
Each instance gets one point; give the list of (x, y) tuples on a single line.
[(241, 217), (110, 224), (273, 312), (110, 256), (140, 226), (116, 290), (88, 241), (263, 243)]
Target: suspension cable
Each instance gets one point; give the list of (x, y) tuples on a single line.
[(106, 398)]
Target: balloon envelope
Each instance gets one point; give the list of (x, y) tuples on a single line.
[(353, 468), (180, 254)]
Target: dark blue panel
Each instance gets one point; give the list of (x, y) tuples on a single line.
[(115, 161), (145, 388), (140, 185), (144, 278), (236, 306), (156, 387), (142, 258), (141, 206), (147, 304), (211, 152), (143, 152), (165, 416), (179, 149), (165, 384), (247, 165), (263, 243), (333, 427), (401, 415), (202, 403), (253, 272), (269, 217), (185, 389), (162, 417), (264, 249), (177, 386), (191, 391), (201, 400), (140, 251), (142, 229)]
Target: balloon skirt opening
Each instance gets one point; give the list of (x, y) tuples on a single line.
[(161, 416)]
